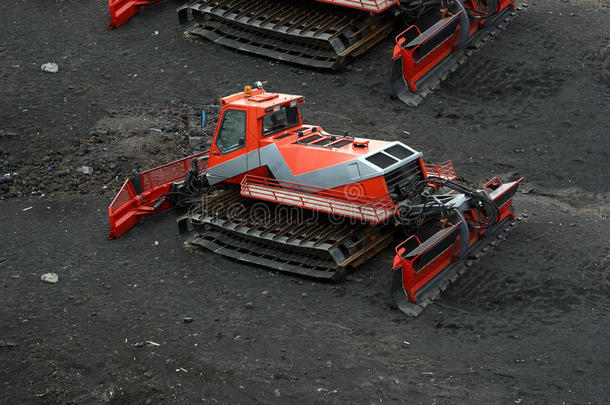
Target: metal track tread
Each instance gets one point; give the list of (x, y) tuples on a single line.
[(312, 34), (441, 281), (309, 245), (432, 80)]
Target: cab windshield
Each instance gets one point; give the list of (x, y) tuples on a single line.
[(279, 120)]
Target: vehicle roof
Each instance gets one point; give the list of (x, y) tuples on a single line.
[(259, 99)]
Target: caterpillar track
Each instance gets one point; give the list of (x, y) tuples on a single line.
[(307, 33), (301, 242)]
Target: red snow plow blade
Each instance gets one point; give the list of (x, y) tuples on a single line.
[(421, 60), (145, 194), (424, 268), (122, 10)]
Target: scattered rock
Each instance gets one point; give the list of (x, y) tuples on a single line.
[(85, 169), (182, 126), (148, 374), (527, 189), (248, 305), (276, 393), (188, 320), (7, 343), (195, 142), (51, 278), (7, 133), (49, 67)]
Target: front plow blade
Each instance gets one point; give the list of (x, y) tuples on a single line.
[(422, 270), (421, 64)]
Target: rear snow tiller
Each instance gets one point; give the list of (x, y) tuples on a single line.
[(280, 194), (439, 34)]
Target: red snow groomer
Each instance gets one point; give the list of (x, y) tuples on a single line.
[(437, 36), (280, 194)]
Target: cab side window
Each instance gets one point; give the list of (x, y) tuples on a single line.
[(232, 133)]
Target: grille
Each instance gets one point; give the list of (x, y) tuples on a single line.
[(310, 139), (402, 181), (399, 152), (381, 160), (341, 144)]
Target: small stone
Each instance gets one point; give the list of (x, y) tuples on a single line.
[(188, 320), (527, 189), (51, 278), (304, 294), (182, 126), (49, 67), (195, 141), (86, 170), (7, 343), (276, 393), (396, 381), (148, 401), (148, 374), (248, 305), (139, 344)]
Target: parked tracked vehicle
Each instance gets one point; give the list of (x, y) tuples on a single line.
[(275, 192), (436, 37)]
